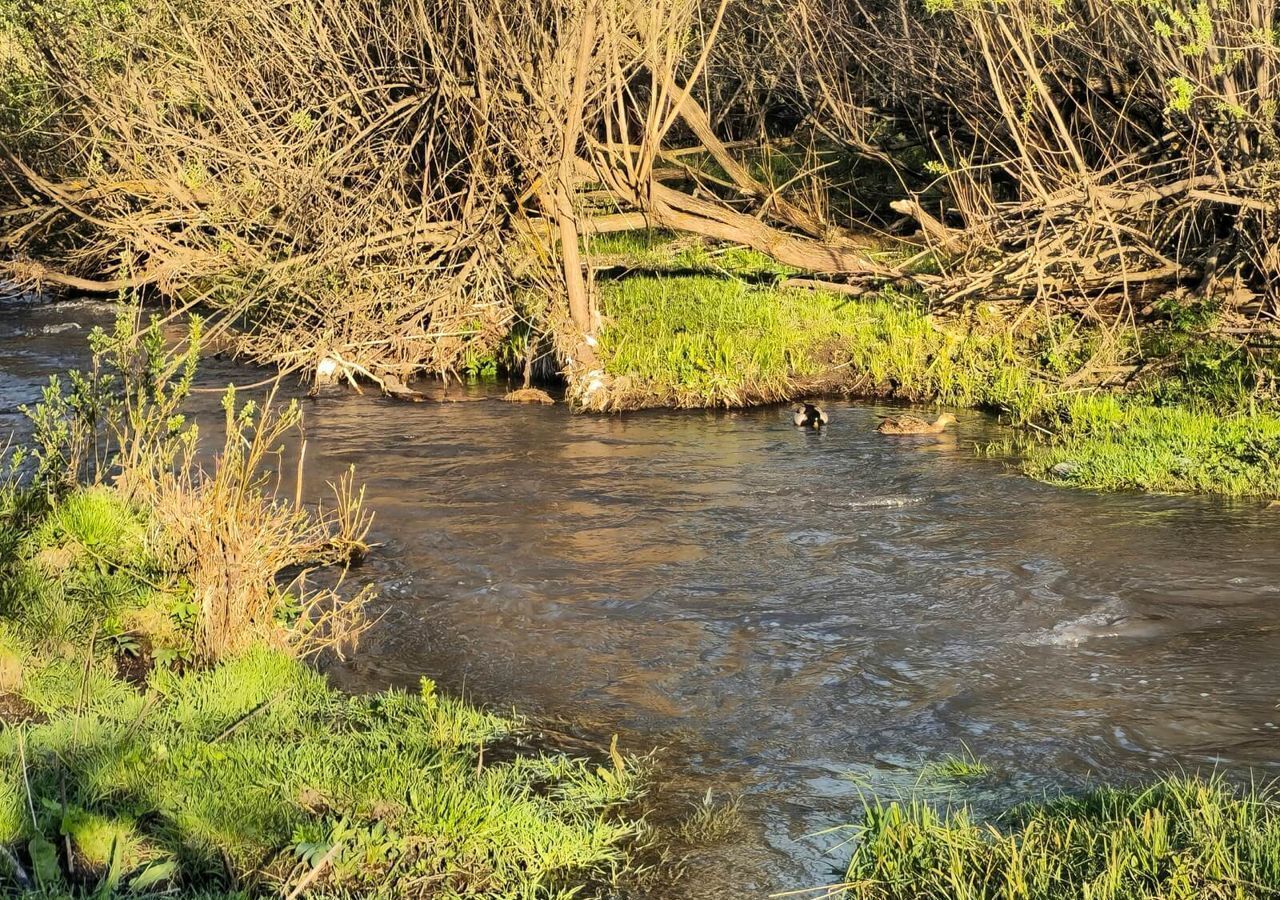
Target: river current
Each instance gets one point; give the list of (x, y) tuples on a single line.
[(787, 616)]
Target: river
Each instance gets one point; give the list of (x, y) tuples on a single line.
[(787, 616)]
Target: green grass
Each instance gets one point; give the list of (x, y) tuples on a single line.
[(248, 773), (256, 769), (664, 251), (711, 340), (959, 767), (708, 341), (1111, 443), (1182, 838), (84, 566)]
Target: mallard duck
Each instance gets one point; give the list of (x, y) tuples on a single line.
[(809, 416), (914, 424)]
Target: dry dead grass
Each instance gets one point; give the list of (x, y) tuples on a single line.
[(529, 395), (233, 536)]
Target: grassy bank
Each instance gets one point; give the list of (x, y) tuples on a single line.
[(1163, 407), (164, 732), (705, 341), (255, 774), (1182, 838), (1117, 443)]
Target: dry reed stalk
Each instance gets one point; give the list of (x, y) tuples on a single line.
[(233, 537)]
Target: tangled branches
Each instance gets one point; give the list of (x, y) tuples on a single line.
[(397, 183), (1072, 150)]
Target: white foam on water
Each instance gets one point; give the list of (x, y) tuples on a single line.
[(60, 328), (1073, 632), (884, 502), (1108, 623)]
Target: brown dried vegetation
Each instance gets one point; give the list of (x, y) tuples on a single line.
[(395, 184)]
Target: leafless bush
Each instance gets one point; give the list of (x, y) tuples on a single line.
[(223, 535), (233, 535), (379, 181), (368, 180), (326, 174), (1079, 149)]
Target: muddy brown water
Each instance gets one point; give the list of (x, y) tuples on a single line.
[(790, 616)]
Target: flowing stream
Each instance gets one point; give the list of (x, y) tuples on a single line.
[(788, 616)]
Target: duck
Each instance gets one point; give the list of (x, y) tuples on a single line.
[(809, 416), (914, 424)]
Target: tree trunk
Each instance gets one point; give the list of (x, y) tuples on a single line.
[(577, 283)]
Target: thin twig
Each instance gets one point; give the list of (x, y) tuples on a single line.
[(315, 872)]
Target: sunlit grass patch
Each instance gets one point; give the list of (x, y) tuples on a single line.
[(701, 340), (633, 244), (1183, 838), (664, 251), (256, 769), (711, 341), (1115, 444), (83, 567)]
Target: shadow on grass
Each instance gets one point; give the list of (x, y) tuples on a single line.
[(258, 777)]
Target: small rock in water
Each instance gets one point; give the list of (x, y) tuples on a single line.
[(1065, 469), (328, 371), (60, 328)]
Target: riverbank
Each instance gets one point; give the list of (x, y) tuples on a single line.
[(599, 614), (163, 728), (1180, 838), (1171, 405)]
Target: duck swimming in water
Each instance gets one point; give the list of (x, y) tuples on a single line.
[(809, 416), (914, 424)]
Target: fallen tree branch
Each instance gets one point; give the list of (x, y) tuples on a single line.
[(947, 239), (28, 272), (834, 287), (679, 211), (700, 124)]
